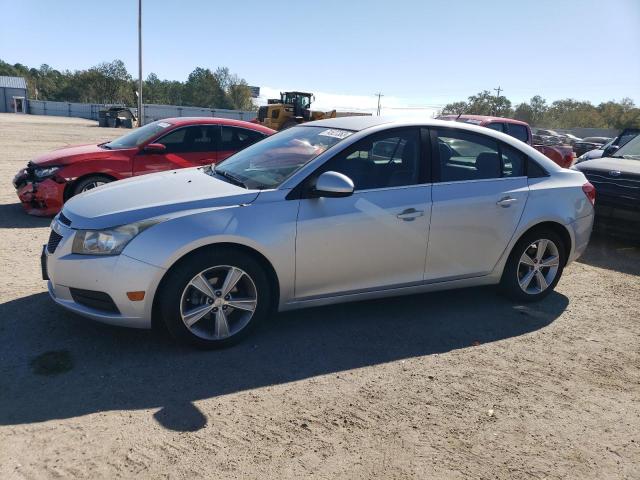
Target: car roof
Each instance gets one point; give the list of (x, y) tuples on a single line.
[(482, 119), (182, 121)]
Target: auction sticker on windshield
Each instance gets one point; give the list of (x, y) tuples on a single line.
[(335, 133), (164, 124)]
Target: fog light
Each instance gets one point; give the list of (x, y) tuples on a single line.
[(135, 296)]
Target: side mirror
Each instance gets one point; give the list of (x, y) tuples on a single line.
[(610, 150), (155, 148), (333, 185)]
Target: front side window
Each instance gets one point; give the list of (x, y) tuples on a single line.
[(270, 162), (199, 138), (467, 156), (390, 159)]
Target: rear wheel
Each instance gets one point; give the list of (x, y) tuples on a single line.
[(89, 183), (534, 266), (215, 298)]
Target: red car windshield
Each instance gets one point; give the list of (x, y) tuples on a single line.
[(138, 136)]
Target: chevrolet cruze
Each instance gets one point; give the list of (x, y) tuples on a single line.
[(325, 212)]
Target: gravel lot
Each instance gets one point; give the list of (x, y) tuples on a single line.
[(459, 384)]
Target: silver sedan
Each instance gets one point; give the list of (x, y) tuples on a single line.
[(325, 212)]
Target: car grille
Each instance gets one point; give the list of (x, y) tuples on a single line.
[(54, 241), (621, 191), (64, 220), (93, 299)]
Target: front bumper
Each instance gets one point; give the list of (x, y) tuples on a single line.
[(113, 275), (42, 199)]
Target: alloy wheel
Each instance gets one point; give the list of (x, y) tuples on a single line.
[(92, 185), (538, 266), (218, 302)]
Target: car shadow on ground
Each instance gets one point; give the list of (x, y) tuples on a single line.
[(12, 215), (107, 368), (621, 254)]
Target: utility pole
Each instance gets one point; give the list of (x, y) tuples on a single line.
[(498, 90), (140, 112), (379, 95)]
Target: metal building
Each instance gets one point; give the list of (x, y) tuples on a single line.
[(13, 94)]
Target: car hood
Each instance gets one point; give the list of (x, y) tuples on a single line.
[(624, 165), (65, 155), (153, 195)]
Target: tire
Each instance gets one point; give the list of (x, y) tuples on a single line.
[(523, 278), (183, 298), (89, 183)]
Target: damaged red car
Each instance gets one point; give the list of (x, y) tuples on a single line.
[(50, 179)]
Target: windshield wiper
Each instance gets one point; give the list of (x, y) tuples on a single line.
[(232, 178)]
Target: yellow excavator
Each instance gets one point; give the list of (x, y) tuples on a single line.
[(292, 108)]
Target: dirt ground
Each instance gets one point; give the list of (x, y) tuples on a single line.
[(460, 384)]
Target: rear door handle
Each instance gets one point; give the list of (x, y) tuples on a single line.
[(410, 214), (506, 202)]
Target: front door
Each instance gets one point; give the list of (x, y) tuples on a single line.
[(185, 147), (378, 236), (478, 199)]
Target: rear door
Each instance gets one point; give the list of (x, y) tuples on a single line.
[(185, 147), (479, 194), (234, 139)]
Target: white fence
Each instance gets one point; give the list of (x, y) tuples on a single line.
[(151, 112), (157, 112)]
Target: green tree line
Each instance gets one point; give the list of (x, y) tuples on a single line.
[(566, 113), (110, 82)]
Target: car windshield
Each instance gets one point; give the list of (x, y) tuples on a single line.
[(271, 161), (138, 136), (631, 150)]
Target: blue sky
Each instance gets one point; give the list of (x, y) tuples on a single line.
[(419, 53)]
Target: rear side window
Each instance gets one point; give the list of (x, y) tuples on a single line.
[(467, 156), (534, 170), (232, 138), (519, 131), (513, 161)]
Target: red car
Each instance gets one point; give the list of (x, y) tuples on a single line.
[(562, 155), (51, 179)]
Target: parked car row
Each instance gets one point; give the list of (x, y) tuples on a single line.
[(325, 212), (612, 146), (616, 177)]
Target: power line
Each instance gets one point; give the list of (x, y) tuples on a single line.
[(499, 89)]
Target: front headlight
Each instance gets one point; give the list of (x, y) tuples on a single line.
[(110, 241), (45, 172)]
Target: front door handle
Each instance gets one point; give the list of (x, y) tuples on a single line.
[(410, 214), (506, 202)]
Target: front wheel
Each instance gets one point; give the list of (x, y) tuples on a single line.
[(534, 266), (89, 183), (215, 298)]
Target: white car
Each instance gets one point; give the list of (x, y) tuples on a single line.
[(325, 212)]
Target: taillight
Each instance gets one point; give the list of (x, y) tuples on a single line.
[(590, 191)]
